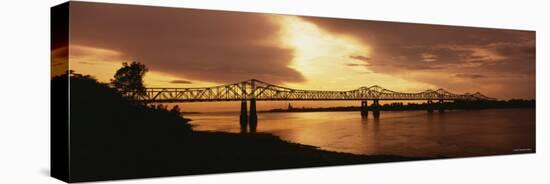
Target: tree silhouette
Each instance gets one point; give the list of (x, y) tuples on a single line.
[(176, 110), (129, 79)]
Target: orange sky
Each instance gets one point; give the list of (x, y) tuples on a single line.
[(199, 48)]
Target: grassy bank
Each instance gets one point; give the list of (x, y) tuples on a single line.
[(115, 138)]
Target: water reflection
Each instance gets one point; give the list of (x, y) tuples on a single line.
[(411, 133)]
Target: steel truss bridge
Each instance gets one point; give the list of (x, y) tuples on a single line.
[(254, 90), (262, 91)]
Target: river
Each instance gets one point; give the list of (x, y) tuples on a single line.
[(406, 133)]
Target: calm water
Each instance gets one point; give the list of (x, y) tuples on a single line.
[(406, 133)]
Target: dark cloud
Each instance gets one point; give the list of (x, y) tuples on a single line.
[(398, 66), (470, 76), (419, 67), (195, 44), (431, 53), (180, 82), (362, 58), (87, 63), (353, 64)]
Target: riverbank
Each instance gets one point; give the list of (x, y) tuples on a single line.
[(216, 152), (202, 152)]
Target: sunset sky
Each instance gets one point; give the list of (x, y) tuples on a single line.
[(201, 48)]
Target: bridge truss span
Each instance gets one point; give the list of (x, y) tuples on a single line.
[(262, 91)]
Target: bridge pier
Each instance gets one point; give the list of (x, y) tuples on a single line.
[(440, 105), (244, 117), (375, 109), (364, 109), (253, 119), (429, 106)]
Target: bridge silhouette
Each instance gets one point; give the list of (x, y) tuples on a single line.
[(255, 90)]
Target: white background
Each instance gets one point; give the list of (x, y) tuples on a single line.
[(24, 92)]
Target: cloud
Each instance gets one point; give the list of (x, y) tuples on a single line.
[(423, 44), (470, 76), (180, 82), (397, 65), (362, 58), (87, 63), (427, 57), (436, 54), (201, 45), (353, 64)]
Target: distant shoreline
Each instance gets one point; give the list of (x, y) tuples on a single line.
[(353, 110), (463, 105), (326, 110), (191, 112)]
